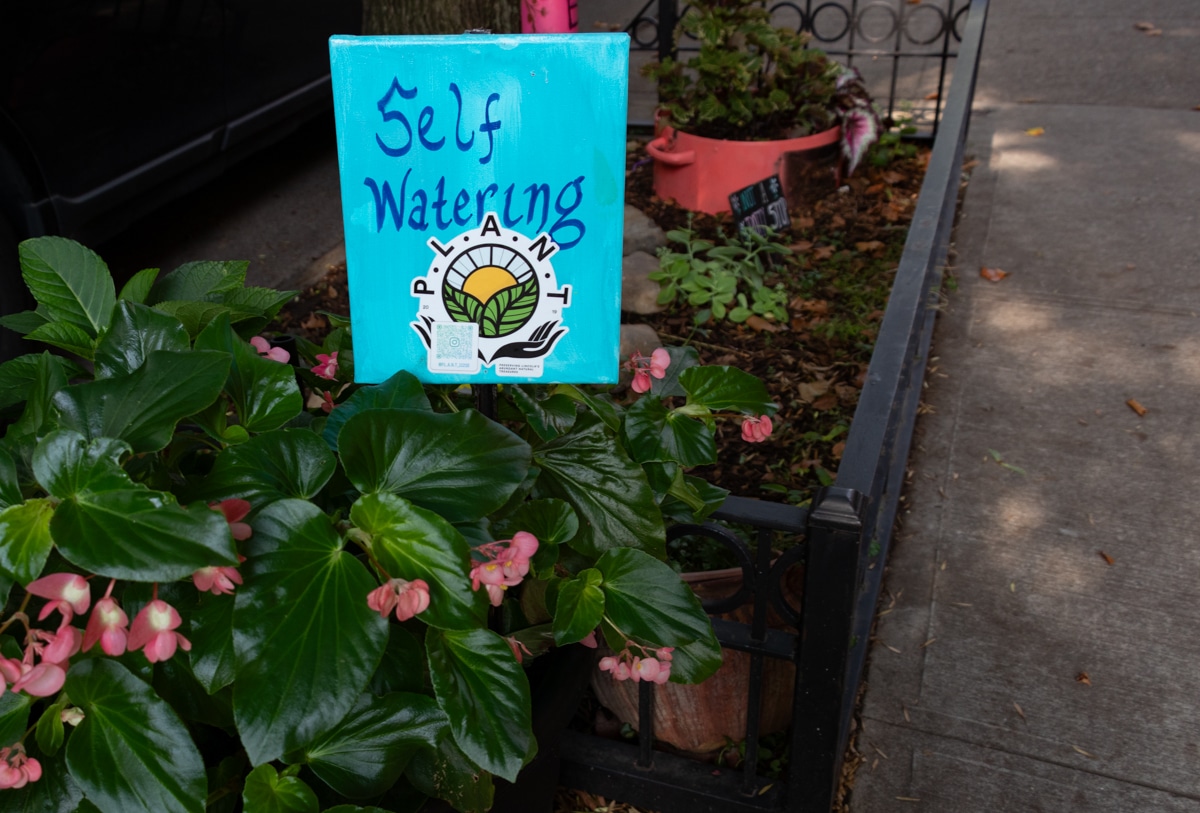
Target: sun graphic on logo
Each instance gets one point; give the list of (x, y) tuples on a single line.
[(493, 286)]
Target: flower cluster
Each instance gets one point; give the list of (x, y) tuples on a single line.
[(407, 598), (506, 562), (644, 367), (265, 349), (16, 769), (627, 666), (756, 430)]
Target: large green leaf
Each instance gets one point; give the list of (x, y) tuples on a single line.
[(268, 792), (194, 316), (49, 377), (264, 391), (412, 543), (138, 287), (14, 716), (653, 433), (213, 659), (485, 693), (579, 607), (647, 600), (55, 792), (131, 752), (682, 358), (25, 542), (71, 283), (136, 331), (369, 750), (447, 773), (144, 406), (252, 309), (547, 417), (553, 522), (66, 464), (721, 388), (401, 391), (65, 336), (403, 666), (608, 491), (462, 465), (268, 467), (18, 376), (306, 641)]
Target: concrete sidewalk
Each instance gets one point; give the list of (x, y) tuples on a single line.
[(1037, 646)]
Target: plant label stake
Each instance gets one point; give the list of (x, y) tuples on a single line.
[(761, 206), (482, 183)]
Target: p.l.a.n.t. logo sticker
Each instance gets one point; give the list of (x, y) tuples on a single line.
[(490, 298)]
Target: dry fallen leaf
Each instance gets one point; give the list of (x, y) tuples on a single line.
[(801, 246), (1083, 678), (1133, 404), (992, 274), (1020, 711), (1106, 557), (870, 245), (894, 178), (756, 322), (1144, 26), (822, 252), (1035, 131), (931, 95), (811, 391)]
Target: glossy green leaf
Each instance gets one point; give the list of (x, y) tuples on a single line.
[(726, 388), (682, 358), (402, 668), (579, 607), (131, 752), (197, 281), (10, 487), (194, 316), (264, 392), (25, 541), (138, 287), (71, 283), (213, 659), (547, 417), (602, 408), (401, 391), (65, 336), (14, 716), (648, 601), (66, 464), (461, 465), (268, 792), (552, 521), (24, 322), (135, 332), (608, 491), (143, 407), (268, 467), (655, 434), (369, 750), (55, 792), (485, 693), (306, 641), (412, 543), (49, 730), (252, 309)]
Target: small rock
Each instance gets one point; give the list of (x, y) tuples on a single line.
[(641, 233), (639, 293), (637, 338)]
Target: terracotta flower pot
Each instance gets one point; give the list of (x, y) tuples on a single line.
[(700, 173), (549, 16), (701, 719)]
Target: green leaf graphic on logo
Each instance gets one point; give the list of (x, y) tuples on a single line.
[(461, 306), (509, 309)]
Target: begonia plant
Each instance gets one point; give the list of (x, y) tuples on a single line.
[(230, 582)]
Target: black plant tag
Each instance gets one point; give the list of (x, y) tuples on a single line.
[(761, 205)]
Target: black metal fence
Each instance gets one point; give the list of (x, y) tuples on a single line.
[(845, 537), (891, 42)]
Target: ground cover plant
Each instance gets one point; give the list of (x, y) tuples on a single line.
[(231, 582)]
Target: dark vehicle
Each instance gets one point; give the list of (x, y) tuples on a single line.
[(109, 108)]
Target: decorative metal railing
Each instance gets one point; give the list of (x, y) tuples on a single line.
[(903, 49), (845, 538)]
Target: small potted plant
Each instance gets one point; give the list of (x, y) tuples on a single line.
[(754, 94)]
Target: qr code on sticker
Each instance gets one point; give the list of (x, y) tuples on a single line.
[(454, 347)]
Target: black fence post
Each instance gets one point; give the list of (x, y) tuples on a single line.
[(668, 16), (831, 581)]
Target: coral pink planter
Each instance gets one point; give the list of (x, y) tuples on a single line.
[(549, 16), (701, 173)]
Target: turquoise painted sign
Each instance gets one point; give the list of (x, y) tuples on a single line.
[(483, 189)]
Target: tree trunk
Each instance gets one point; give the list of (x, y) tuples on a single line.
[(440, 16)]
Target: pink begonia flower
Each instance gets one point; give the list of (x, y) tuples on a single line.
[(590, 640), (327, 365), (58, 647), (650, 669), (42, 680), (407, 598), (235, 511), (264, 348), (67, 592), (756, 430), (327, 403), (646, 367), (218, 579), (626, 666), (506, 565), (517, 648), (153, 632), (72, 716), (16, 769), (109, 625)]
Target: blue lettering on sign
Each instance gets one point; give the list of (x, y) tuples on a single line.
[(425, 122)]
